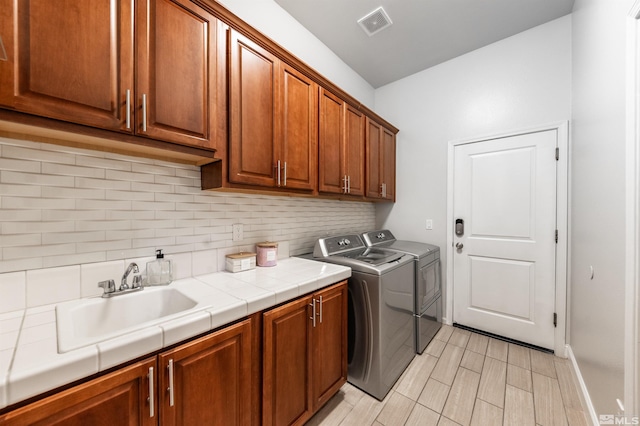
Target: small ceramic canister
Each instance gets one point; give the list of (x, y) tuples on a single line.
[(267, 254)]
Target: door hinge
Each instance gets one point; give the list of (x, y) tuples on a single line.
[(555, 319), (557, 153), (556, 236)]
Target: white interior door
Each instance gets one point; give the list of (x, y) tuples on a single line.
[(504, 190)]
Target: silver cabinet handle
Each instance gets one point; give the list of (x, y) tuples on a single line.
[(348, 188), (151, 398), (320, 309), (278, 172), (285, 174), (128, 109), (344, 187), (170, 388), (144, 113), (313, 311)]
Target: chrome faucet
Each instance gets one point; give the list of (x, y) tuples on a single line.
[(133, 267), (109, 286)]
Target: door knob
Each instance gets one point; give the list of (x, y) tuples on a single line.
[(459, 246)]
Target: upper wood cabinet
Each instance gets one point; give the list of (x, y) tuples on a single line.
[(273, 140), (149, 68), (381, 162), (68, 60), (180, 86), (342, 143)]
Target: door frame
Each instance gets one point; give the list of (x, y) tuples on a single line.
[(632, 216), (562, 215)]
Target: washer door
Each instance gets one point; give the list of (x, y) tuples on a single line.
[(359, 330)]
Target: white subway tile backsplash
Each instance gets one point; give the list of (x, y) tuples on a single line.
[(91, 274), (35, 179), (132, 215), (20, 264), (128, 176), (78, 193), (13, 287), (204, 262), (105, 184), (100, 204), (103, 163), (128, 195), (37, 203), (68, 206), (35, 152), (176, 198), (150, 187), (20, 165), (13, 240), (53, 285), (62, 169), (9, 253), (21, 190), (152, 205)]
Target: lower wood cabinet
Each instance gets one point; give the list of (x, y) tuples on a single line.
[(305, 355), (208, 381), (204, 382), (124, 397), (216, 379)]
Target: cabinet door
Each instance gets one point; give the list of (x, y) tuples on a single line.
[(73, 60), (331, 136), (286, 368), (374, 155), (177, 91), (329, 362), (254, 82), (118, 398), (354, 150), (298, 150), (208, 381), (389, 164)]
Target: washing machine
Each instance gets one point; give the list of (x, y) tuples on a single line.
[(380, 311)]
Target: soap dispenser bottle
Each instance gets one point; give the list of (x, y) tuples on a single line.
[(159, 270)]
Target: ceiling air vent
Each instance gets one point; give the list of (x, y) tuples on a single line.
[(375, 21)]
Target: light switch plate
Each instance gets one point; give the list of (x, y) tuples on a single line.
[(429, 224), (238, 232)]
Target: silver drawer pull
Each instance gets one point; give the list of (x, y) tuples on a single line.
[(151, 398), (170, 388), (313, 311)]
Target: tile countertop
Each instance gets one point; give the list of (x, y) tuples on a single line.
[(30, 363)]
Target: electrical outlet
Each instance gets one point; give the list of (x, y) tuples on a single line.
[(238, 232), (429, 224)]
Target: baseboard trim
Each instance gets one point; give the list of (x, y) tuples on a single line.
[(586, 399)]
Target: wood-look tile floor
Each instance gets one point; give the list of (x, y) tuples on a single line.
[(464, 378)]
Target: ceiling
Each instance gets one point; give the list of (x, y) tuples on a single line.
[(424, 33)]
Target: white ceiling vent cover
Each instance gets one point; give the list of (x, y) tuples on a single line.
[(375, 21)]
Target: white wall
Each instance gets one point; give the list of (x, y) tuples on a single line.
[(598, 197), (519, 82), (273, 21)]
